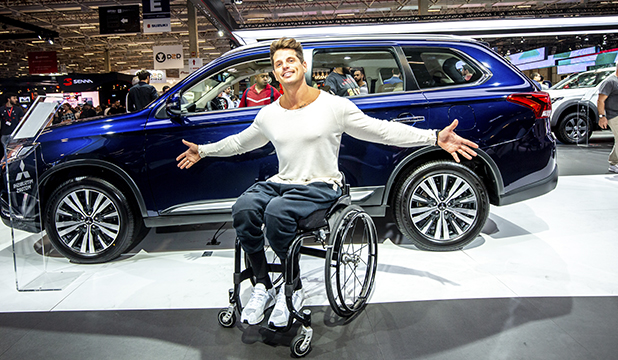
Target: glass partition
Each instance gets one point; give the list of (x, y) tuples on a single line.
[(34, 270)]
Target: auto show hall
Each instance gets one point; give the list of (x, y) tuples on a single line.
[(540, 282)]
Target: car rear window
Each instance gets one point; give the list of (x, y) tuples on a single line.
[(440, 67)]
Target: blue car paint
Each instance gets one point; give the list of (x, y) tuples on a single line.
[(145, 147)]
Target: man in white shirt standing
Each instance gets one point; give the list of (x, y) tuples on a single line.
[(305, 126)]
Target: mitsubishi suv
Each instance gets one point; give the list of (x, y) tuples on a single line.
[(104, 181)]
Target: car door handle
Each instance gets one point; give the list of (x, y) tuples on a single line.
[(408, 118)]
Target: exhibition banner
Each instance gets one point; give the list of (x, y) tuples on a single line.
[(156, 16), (168, 57), (42, 62)]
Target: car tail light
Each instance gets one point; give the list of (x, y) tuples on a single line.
[(539, 102)]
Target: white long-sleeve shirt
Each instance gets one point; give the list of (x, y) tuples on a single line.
[(307, 140)]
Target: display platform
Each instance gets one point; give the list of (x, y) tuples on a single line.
[(554, 245), (538, 283)]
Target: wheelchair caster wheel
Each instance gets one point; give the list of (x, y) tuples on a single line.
[(298, 347), (226, 318)]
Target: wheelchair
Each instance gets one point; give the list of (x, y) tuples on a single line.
[(349, 246)]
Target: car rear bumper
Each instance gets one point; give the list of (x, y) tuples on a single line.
[(532, 190)]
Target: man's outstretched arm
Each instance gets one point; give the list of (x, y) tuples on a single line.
[(454, 144), (189, 157)]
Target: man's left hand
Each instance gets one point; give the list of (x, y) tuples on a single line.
[(454, 144)]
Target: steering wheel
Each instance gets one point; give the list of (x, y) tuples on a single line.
[(218, 103)]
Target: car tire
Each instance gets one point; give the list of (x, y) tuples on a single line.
[(574, 128), (441, 206), (90, 221)]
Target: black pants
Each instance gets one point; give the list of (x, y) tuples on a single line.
[(278, 207)]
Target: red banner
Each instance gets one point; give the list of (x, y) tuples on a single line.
[(42, 62)]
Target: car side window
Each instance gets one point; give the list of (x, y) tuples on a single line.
[(356, 72), (223, 90), (440, 67)]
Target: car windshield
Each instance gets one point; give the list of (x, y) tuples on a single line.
[(583, 80)]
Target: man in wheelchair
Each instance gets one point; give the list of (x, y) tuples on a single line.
[(305, 126)]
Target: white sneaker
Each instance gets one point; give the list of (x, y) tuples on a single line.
[(279, 316), (613, 168), (253, 313)]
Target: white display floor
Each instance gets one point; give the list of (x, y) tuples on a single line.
[(562, 244)]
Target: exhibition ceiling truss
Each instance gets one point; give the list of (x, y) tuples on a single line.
[(80, 47)]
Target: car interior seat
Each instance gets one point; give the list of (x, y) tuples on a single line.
[(450, 69)]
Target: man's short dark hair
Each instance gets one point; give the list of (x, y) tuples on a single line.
[(6, 97), (143, 75), (286, 43)]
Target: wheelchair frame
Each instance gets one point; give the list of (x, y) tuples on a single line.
[(334, 224)]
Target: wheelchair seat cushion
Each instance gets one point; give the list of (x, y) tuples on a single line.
[(315, 220)]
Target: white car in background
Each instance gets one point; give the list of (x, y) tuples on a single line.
[(574, 108)]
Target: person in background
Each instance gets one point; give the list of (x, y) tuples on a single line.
[(66, 114), (259, 94), (537, 78), (88, 111), (226, 94), (117, 108), (341, 83), (142, 93), (164, 89), (607, 104), (37, 93), (235, 100), (10, 114), (359, 77), (395, 78)]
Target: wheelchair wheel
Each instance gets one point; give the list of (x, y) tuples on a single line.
[(351, 260), (226, 319)]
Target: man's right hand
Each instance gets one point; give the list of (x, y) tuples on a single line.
[(189, 157), (603, 122)]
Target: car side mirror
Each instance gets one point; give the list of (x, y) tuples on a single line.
[(173, 105)]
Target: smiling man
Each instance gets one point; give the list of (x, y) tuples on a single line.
[(305, 125)]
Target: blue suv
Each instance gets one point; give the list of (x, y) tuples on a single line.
[(105, 181)]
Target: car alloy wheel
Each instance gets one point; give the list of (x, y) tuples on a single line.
[(89, 220), (441, 206)]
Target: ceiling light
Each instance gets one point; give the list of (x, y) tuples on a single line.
[(87, 27), (88, 54), (221, 33)]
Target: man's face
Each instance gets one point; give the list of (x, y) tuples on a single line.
[(13, 100), (288, 68), (358, 76), (228, 90), (262, 80)]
